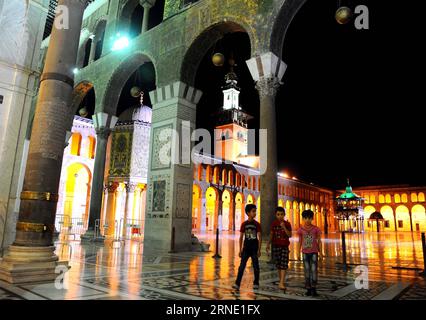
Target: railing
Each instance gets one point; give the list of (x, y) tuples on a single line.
[(67, 226), (131, 229)]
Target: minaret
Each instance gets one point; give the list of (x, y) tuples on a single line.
[(231, 131)]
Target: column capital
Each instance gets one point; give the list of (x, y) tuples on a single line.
[(104, 122), (112, 187), (103, 133), (268, 86), (147, 3), (131, 187), (266, 65)]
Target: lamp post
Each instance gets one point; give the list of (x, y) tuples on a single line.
[(325, 221), (221, 188)]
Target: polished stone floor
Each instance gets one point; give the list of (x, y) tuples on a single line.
[(127, 270)]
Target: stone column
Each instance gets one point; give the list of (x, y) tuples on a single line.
[(103, 124), (93, 49), (169, 198), (130, 196), (31, 257), (146, 8), (110, 210), (203, 213), (267, 71)]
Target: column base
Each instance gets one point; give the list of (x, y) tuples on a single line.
[(30, 264)]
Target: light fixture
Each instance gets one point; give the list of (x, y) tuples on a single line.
[(120, 44), (75, 70)]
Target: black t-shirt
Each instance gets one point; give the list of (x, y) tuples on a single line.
[(250, 230)]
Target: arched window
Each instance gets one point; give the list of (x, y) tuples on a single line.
[(397, 198), (372, 198), (87, 48), (91, 148), (404, 198), (99, 39), (231, 178), (75, 144), (156, 14), (413, 197), (224, 178), (388, 198), (136, 20), (216, 175), (367, 198), (208, 174), (421, 197), (381, 198)]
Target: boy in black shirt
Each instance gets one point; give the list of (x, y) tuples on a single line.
[(251, 232)]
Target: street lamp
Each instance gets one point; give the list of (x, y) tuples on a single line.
[(221, 188)]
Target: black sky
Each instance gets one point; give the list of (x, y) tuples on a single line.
[(352, 100)]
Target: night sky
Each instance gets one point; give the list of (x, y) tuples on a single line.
[(351, 105)]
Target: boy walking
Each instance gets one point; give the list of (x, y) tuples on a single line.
[(280, 239), (250, 248), (310, 247)]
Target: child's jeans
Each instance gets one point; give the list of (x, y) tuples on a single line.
[(245, 255), (310, 264)]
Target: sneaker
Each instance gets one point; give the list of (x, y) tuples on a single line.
[(314, 292), (309, 292), (255, 287), (236, 287)]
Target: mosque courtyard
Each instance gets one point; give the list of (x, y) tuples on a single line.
[(128, 271)]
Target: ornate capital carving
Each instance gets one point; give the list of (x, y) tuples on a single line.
[(131, 187), (268, 86), (112, 187)]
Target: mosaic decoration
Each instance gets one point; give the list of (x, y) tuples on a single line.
[(121, 153), (161, 147), (159, 196), (183, 203)]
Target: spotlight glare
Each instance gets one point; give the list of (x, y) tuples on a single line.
[(120, 44)]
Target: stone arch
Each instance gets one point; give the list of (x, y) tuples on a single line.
[(77, 191), (119, 78), (201, 44), (281, 24), (99, 36), (84, 38), (125, 15)]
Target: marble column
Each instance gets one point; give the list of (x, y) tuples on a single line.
[(31, 257), (203, 213), (267, 71), (103, 125), (147, 5), (109, 222), (128, 211), (170, 181), (22, 24)]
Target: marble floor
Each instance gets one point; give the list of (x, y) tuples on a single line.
[(127, 270)]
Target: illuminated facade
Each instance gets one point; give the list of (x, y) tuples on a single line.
[(402, 207), (76, 175)]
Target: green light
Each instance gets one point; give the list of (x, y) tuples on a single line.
[(120, 44)]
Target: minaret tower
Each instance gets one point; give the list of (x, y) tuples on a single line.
[(231, 131)]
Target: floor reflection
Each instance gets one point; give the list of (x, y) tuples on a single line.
[(122, 270)]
